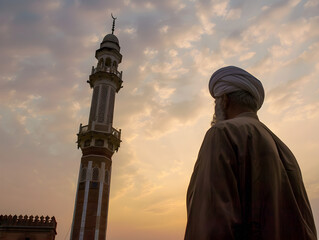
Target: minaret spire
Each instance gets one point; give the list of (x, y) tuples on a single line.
[(113, 26)]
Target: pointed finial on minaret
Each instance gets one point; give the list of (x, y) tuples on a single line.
[(114, 18)]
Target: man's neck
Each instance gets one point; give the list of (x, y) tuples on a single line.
[(232, 112)]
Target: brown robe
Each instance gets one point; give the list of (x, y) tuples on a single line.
[(247, 185)]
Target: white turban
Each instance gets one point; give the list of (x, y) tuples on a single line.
[(230, 79)]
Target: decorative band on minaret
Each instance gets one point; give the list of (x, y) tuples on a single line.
[(98, 141)]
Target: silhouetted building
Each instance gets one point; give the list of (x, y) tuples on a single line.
[(98, 141), (27, 228)]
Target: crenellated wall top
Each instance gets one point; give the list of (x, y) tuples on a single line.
[(9, 220)]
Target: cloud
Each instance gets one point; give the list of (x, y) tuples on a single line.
[(258, 31), (289, 98), (172, 69), (266, 23), (153, 113), (311, 3), (206, 61), (215, 8), (233, 14), (297, 32), (162, 121), (231, 46), (164, 206), (247, 56), (183, 37)]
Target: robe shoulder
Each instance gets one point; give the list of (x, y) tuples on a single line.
[(246, 182)]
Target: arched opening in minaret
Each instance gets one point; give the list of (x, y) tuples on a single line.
[(95, 174), (108, 62), (101, 63), (99, 142), (87, 143), (115, 64)]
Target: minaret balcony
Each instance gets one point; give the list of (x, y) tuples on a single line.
[(107, 69), (109, 130), (109, 133), (101, 73)]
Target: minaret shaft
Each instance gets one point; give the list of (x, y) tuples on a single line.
[(90, 219), (102, 106), (98, 141)]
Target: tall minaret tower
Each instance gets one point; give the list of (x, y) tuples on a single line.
[(98, 140)]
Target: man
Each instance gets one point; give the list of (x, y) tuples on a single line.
[(246, 183)]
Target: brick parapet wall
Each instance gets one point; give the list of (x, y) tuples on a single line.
[(23, 221)]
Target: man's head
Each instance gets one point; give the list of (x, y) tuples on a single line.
[(235, 91)]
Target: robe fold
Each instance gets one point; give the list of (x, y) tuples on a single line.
[(247, 185)]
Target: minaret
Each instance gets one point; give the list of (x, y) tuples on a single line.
[(98, 140)]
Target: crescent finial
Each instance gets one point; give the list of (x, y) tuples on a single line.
[(113, 26)]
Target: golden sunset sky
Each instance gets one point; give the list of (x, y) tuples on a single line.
[(170, 49)]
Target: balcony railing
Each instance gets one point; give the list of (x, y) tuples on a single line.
[(106, 69), (116, 133), (83, 129)]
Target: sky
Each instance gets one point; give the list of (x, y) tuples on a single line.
[(170, 49)]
